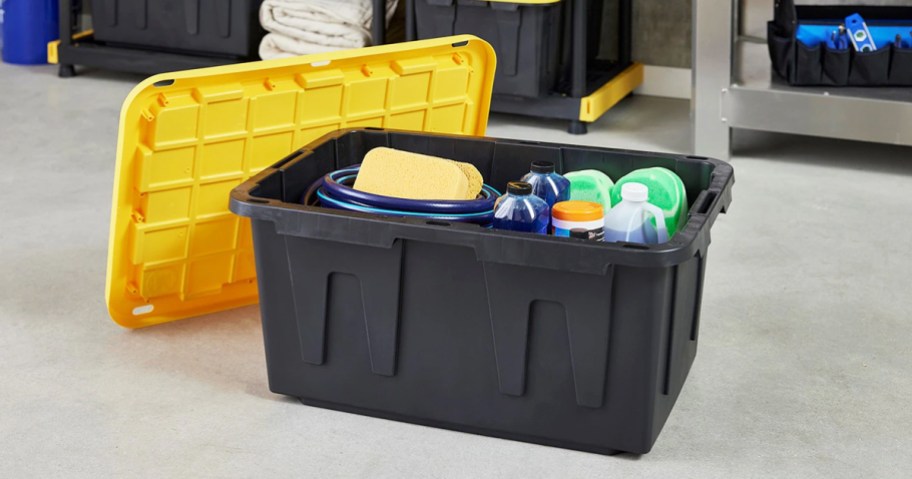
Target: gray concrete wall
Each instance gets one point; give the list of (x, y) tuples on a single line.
[(661, 32)]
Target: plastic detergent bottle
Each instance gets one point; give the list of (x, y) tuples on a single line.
[(629, 220), (520, 210), (590, 185), (546, 184), (666, 190)]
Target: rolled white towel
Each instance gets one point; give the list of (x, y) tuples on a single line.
[(300, 27)]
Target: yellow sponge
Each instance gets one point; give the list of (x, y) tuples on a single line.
[(402, 174), (476, 181)]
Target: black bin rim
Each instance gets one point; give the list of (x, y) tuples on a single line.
[(491, 245)]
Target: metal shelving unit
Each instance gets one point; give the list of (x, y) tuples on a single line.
[(734, 87)]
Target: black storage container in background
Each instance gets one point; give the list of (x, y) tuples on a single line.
[(526, 37), (220, 27), (550, 340)]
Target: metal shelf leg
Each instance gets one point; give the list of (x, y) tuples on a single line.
[(712, 70)]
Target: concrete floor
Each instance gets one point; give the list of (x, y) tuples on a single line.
[(804, 367)]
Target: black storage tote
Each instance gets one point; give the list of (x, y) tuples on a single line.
[(221, 27), (800, 54), (549, 340), (526, 37)]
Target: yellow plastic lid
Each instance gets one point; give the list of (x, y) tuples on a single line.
[(575, 210), (188, 138)]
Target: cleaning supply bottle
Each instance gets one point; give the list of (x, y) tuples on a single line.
[(629, 220), (666, 190), (590, 185), (520, 210), (546, 184), (568, 215)]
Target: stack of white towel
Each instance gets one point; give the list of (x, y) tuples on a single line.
[(301, 27)]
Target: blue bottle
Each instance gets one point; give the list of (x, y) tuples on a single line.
[(520, 210), (546, 184)]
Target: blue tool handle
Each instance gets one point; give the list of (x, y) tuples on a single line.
[(833, 41), (859, 33)]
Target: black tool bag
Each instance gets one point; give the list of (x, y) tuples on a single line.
[(804, 65)]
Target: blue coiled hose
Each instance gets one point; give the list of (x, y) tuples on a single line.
[(334, 191)]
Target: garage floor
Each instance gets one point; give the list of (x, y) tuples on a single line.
[(804, 367)]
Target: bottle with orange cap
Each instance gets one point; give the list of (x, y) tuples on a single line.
[(567, 216)]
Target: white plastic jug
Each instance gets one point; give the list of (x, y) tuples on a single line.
[(629, 220)]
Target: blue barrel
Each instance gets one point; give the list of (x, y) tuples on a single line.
[(28, 26)]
